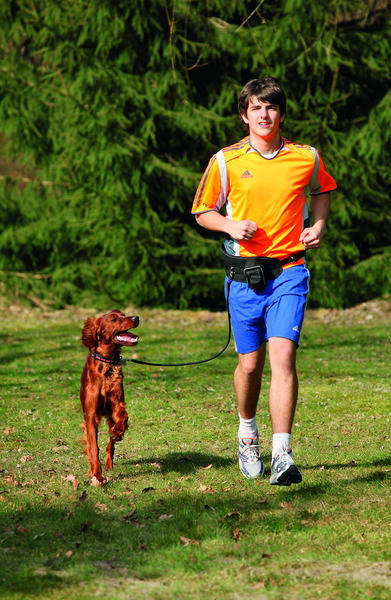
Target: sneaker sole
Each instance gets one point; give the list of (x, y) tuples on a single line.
[(291, 475)]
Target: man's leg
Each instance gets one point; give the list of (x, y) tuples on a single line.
[(283, 385), (247, 379), (282, 404)]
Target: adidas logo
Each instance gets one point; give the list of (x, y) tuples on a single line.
[(295, 328), (246, 174)]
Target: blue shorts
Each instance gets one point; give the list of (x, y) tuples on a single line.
[(276, 311)]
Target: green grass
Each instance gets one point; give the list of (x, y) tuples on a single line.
[(176, 473)]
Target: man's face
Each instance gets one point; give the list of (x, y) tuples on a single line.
[(263, 118)]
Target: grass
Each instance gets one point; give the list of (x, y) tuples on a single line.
[(175, 518)]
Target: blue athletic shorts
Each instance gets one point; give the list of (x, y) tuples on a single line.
[(276, 311)]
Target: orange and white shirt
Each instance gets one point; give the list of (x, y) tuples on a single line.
[(267, 190)]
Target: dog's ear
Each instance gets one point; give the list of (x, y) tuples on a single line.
[(88, 334)]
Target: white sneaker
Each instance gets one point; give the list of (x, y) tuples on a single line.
[(284, 470), (250, 463)]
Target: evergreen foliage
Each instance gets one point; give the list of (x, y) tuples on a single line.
[(114, 107)]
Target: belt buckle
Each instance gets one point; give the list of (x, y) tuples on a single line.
[(255, 277)]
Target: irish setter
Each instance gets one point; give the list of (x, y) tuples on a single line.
[(102, 392)]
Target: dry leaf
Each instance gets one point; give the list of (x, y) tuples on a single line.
[(206, 489), (306, 523), (13, 481), (59, 448), (186, 541), (261, 500), (164, 517), (233, 515), (101, 506), (132, 518), (286, 505), (25, 459), (21, 529), (259, 585), (322, 468), (7, 431), (208, 467), (68, 553), (338, 444), (72, 479)]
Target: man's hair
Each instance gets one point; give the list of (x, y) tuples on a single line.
[(267, 89)]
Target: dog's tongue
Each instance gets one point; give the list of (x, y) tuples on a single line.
[(126, 339)]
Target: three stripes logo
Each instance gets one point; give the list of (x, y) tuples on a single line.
[(246, 174)]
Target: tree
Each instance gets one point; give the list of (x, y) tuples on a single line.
[(114, 107)]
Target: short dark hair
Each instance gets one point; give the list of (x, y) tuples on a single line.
[(267, 89)]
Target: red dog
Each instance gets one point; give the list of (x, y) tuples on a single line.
[(102, 392)]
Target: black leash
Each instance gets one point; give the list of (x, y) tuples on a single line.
[(185, 364), (285, 261)]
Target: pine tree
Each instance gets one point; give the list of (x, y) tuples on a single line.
[(113, 109)]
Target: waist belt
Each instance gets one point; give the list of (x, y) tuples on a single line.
[(256, 271)]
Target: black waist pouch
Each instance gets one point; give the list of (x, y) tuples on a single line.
[(256, 271)]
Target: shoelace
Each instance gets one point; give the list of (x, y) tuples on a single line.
[(283, 457), (251, 452)]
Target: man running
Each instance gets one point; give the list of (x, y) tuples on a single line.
[(260, 181)]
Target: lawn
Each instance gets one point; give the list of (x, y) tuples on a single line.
[(175, 518)]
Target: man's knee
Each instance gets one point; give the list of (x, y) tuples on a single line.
[(252, 364), (282, 354)]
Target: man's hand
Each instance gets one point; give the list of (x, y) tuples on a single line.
[(238, 230), (311, 237), (242, 230)]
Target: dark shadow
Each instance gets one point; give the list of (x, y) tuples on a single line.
[(353, 464), (38, 538), (184, 462)]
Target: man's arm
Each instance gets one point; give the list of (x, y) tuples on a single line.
[(238, 230), (320, 206)]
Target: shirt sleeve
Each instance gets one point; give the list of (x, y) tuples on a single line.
[(321, 181), (209, 194)]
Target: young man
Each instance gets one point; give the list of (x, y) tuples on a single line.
[(260, 180)]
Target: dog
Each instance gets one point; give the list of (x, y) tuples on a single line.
[(101, 391)]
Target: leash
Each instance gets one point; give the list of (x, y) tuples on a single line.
[(195, 362), (123, 361)]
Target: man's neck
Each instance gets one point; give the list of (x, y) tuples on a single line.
[(265, 145)]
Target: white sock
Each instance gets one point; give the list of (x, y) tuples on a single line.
[(280, 440), (247, 428)]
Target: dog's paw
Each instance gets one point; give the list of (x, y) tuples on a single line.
[(117, 435)]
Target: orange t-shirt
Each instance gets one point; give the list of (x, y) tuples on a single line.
[(269, 191)]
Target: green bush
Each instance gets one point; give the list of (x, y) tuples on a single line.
[(113, 109)]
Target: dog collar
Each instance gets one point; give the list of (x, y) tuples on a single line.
[(105, 359)]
